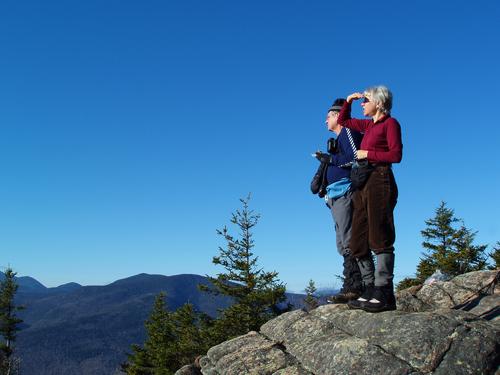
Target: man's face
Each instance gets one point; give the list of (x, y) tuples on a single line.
[(331, 120)]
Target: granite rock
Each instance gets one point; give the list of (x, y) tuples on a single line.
[(444, 328)]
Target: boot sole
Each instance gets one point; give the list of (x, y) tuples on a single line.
[(378, 309), (354, 307)]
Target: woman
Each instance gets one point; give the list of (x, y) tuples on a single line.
[(373, 223)]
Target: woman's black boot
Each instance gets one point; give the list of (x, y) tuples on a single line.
[(383, 299)]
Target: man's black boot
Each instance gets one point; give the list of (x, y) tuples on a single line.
[(343, 297), (352, 285)]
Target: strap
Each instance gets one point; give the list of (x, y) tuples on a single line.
[(353, 146), (351, 141)]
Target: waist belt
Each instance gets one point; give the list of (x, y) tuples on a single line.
[(381, 165)]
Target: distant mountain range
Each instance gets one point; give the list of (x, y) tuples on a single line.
[(75, 329)]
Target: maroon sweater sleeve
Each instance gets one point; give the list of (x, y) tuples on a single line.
[(394, 154), (351, 123)]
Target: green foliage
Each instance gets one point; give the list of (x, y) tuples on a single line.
[(174, 340), (256, 293), (189, 334), (311, 300), (158, 349), (438, 241), (448, 248), (138, 363), (495, 256), (9, 322), (466, 256)]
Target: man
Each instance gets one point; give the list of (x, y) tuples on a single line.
[(339, 160)]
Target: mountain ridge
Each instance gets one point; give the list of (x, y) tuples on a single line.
[(89, 329)]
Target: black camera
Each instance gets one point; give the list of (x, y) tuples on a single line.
[(332, 146)]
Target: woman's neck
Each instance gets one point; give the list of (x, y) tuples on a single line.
[(378, 116)]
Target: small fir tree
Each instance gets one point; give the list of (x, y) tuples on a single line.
[(9, 323), (256, 293), (467, 257), (450, 249), (174, 339), (159, 349), (439, 236), (189, 337), (311, 299), (407, 282), (495, 257), (138, 362), (447, 248)]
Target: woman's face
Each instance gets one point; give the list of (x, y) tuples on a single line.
[(369, 106)]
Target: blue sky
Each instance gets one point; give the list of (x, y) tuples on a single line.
[(129, 130)]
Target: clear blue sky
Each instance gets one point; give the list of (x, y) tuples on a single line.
[(129, 130)]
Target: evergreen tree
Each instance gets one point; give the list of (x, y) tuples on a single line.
[(439, 236), (311, 300), (174, 339), (159, 348), (9, 323), (495, 256), (189, 338), (138, 362), (407, 282), (256, 293), (447, 248), (467, 257)]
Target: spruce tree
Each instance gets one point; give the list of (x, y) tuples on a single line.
[(407, 282), (188, 331), (256, 294), (9, 323), (159, 352), (138, 362), (439, 237), (467, 257), (495, 257), (311, 300), (447, 248), (174, 339)]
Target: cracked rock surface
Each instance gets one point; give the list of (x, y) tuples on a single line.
[(469, 288), (444, 328)]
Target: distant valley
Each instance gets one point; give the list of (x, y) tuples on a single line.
[(74, 329)]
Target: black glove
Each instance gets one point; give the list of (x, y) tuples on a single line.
[(323, 157)]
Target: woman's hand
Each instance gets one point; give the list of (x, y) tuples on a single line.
[(354, 96), (362, 154)]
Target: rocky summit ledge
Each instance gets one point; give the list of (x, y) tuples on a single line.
[(444, 328)]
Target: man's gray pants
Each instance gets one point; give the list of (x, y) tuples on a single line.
[(341, 209)]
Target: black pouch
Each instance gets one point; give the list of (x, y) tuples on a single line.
[(332, 145), (318, 183), (360, 172)]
